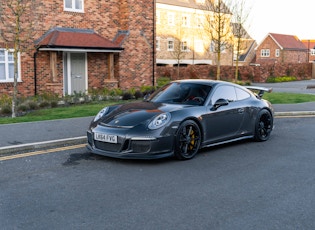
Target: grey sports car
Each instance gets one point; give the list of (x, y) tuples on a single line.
[(179, 119)]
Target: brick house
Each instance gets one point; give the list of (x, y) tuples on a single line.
[(182, 35), (310, 45), (280, 48), (81, 45)]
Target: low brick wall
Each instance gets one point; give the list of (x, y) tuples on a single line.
[(260, 73)]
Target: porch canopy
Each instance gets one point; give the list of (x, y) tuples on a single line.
[(78, 40)]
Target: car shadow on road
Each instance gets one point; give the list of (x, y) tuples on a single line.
[(75, 158)]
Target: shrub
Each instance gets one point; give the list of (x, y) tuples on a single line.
[(53, 104), (138, 94), (22, 108), (162, 81), (44, 104), (127, 96), (272, 79), (6, 110), (5, 100), (33, 105), (146, 90)]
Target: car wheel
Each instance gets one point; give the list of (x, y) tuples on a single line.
[(263, 126), (187, 141)]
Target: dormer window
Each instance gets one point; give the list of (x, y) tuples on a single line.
[(74, 5)]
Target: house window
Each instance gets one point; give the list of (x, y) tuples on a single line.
[(199, 21), (74, 5), (171, 19), (184, 46), (7, 66), (265, 53), (277, 53), (158, 43), (170, 44), (312, 52), (185, 21)]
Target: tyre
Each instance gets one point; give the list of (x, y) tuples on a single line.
[(263, 126), (187, 141)]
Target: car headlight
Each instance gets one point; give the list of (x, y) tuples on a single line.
[(101, 113), (159, 121)]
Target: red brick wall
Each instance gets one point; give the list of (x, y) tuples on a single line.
[(133, 66), (136, 62)]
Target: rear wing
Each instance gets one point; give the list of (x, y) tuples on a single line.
[(259, 90)]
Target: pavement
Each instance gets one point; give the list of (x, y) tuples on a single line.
[(31, 136)]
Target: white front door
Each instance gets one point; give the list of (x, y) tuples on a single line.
[(75, 73)]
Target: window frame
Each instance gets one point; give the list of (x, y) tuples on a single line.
[(277, 53), (168, 44), (73, 9), (199, 21), (184, 46), (171, 18), (185, 20), (7, 62), (265, 52)]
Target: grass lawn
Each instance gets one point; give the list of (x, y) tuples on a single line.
[(288, 98), (83, 110), (92, 109)]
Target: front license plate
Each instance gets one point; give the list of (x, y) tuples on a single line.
[(105, 138)]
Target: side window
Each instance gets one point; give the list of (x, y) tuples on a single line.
[(224, 92), (241, 94)]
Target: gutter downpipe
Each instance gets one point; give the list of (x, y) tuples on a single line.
[(35, 73), (153, 47)]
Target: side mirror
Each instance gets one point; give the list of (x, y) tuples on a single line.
[(220, 102)]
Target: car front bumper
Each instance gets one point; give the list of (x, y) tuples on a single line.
[(133, 147)]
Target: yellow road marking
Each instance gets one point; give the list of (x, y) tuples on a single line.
[(11, 157)]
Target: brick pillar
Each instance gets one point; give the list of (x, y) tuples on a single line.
[(136, 62)]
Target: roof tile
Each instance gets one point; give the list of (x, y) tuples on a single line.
[(288, 41), (75, 38)]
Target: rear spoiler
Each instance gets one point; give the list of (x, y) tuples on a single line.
[(261, 90)]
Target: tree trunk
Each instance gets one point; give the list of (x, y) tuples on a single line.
[(219, 66)]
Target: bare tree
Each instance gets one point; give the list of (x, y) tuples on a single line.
[(180, 45), (217, 27), (240, 17), (17, 25)]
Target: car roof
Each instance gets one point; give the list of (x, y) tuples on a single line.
[(212, 83)]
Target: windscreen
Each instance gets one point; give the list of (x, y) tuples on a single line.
[(181, 93)]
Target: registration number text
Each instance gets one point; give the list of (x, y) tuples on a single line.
[(105, 137)]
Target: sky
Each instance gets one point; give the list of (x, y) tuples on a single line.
[(281, 16)]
